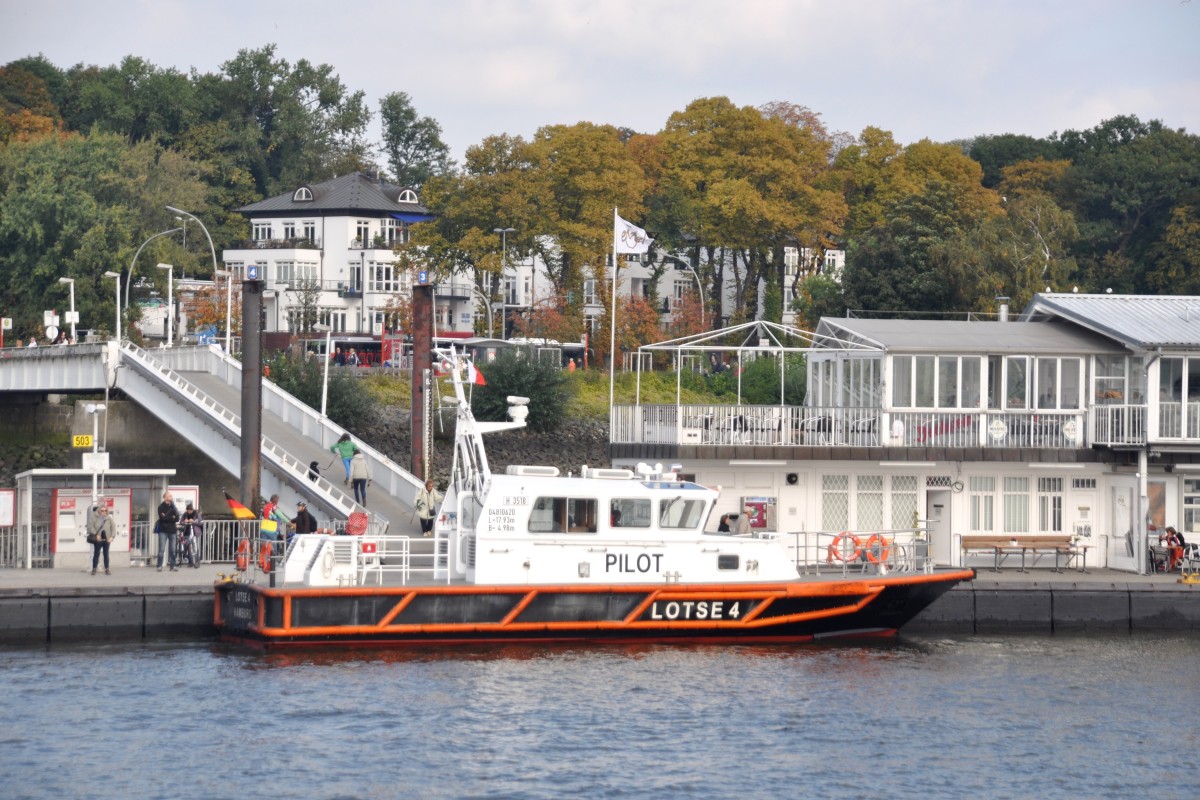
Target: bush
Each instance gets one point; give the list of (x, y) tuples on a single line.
[(346, 404), (515, 373), (760, 381)]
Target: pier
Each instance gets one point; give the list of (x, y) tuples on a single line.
[(65, 606)]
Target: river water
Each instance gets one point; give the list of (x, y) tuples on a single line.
[(1020, 717)]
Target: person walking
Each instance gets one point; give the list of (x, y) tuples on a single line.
[(168, 518), (426, 506), (344, 449), (100, 533), (359, 476)]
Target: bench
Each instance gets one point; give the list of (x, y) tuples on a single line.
[(1001, 547)]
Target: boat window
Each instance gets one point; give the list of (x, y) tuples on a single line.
[(631, 512), (727, 562), (680, 513), (563, 515)]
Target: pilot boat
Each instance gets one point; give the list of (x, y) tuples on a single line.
[(530, 555)]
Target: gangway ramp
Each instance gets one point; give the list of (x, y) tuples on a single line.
[(196, 391)]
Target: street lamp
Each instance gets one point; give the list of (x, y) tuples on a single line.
[(72, 317), (699, 290), (197, 221), (486, 304), (170, 268), (138, 253), (228, 276), (503, 261), (117, 329), (94, 409), (328, 358)]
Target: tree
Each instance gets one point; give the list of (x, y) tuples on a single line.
[(413, 145), (819, 296), (1176, 255), (521, 374), (76, 206)]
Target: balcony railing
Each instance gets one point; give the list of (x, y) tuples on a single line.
[(871, 427), (278, 244)]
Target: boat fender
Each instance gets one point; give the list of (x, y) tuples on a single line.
[(264, 557), (327, 560), (837, 547), (243, 555), (878, 549)]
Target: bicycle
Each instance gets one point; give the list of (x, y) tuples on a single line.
[(187, 545)]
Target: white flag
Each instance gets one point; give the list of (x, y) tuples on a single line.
[(629, 238)]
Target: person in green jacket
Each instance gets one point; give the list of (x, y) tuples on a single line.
[(345, 449)]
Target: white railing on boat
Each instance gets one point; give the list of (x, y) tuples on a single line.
[(844, 553)]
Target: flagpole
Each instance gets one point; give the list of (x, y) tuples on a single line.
[(612, 319)]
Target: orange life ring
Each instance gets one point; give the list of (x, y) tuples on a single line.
[(243, 555), (877, 541), (836, 550), (264, 557)]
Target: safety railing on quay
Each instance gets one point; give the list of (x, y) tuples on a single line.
[(12, 546)]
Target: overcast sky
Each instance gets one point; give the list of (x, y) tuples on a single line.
[(935, 69)]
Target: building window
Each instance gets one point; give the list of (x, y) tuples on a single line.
[(335, 318), (302, 194), (904, 501), (1050, 505), (408, 196), (835, 502), (362, 233), (983, 503), (289, 230), (310, 231), (869, 502), (387, 278), (1016, 505), (510, 291), (262, 231), (589, 292)]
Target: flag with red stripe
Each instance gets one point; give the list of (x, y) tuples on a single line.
[(239, 510)]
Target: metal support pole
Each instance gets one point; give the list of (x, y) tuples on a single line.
[(251, 451)]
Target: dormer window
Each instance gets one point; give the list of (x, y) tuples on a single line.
[(408, 196), (302, 194)]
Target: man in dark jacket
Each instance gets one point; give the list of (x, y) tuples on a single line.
[(168, 516), (304, 522)]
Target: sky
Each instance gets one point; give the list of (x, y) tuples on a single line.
[(934, 69)]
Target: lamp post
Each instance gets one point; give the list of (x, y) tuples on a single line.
[(197, 221), (486, 304), (170, 268), (94, 409), (503, 266), (228, 275), (72, 317), (138, 253), (328, 358), (117, 329), (699, 293)]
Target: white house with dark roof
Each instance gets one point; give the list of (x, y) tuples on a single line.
[(334, 242), (1082, 417)]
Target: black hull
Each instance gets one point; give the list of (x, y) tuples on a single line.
[(442, 615)]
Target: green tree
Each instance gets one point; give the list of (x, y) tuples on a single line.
[(520, 374), (413, 145), (346, 403)]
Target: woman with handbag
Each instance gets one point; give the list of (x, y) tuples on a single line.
[(100, 535)]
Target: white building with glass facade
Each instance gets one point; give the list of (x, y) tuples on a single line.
[(1081, 418)]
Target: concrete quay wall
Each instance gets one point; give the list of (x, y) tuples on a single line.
[(994, 607), (62, 615), (52, 616)]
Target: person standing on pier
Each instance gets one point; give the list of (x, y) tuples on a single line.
[(100, 534), (426, 506), (168, 518)]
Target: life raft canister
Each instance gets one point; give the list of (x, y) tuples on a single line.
[(837, 547), (878, 549), (243, 555)]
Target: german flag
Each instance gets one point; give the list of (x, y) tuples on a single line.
[(239, 510)]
